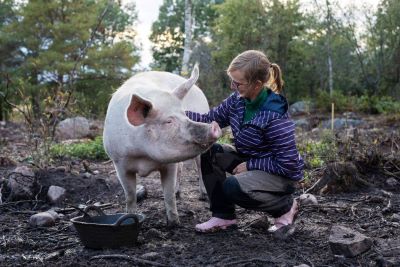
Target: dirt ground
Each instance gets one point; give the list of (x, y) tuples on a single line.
[(370, 212)]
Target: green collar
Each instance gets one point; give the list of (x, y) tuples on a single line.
[(252, 107)]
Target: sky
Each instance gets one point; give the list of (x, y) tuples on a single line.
[(148, 12)]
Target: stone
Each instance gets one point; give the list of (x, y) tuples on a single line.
[(308, 199), (347, 242), (56, 194), (42, 219), (392, 182), (300, 108), (22, 183), (395, 217), (342, 123), (302, 123), (87, 175), (141, 192), (73, 128), (150, 255), (302, 265)]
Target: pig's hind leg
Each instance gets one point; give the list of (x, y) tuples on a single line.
[(128, 182), (168, 180), (202, 188)]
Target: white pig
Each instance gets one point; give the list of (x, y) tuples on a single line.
[(146, 129)]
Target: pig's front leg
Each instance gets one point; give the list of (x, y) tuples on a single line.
[(128, 182), (168, 180)]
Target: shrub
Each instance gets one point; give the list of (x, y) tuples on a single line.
[(318, 153), (87, 150)]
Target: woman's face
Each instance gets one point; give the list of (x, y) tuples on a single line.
[(243, 87)]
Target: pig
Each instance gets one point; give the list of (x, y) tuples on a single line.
[(146, 129)]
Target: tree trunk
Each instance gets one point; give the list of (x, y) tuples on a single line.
[(188, 38), (330, 68)]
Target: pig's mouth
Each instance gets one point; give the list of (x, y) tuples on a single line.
[(208, 137)]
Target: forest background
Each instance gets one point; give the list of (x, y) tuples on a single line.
[(61, 58)]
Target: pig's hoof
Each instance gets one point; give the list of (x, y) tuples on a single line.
[(178, 194)]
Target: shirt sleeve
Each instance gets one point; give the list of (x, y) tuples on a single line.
[(220, 114)]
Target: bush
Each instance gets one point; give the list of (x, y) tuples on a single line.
[(318, 153), (88, 150), (364, 103)]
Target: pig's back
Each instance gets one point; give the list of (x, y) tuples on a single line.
[(146, 82)]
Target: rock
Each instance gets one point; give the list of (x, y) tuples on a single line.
[(87, 175), (22, 183), (341, 123), (300, 108), (150, 255), (395, 217), (302, 123), (141, 193), (307, 199), (73, 128), (347, 242), (56, 194), (392, 182), (95, 172), (302, 265), (43, 219)]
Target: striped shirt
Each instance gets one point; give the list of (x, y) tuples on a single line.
[(268, 139)]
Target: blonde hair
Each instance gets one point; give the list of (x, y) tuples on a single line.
[(256, 67)]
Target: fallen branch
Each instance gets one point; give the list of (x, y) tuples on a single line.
[(266, 260), (126, 257), (18, 202)]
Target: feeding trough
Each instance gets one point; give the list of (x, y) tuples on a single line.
[(108, 231)]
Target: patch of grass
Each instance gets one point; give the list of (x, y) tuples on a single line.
[(318, 153), (87, 150)]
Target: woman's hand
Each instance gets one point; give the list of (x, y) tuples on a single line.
[(242, 167)]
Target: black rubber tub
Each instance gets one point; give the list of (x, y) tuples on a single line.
[(108, 231)]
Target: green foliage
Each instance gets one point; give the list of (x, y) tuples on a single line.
[(318, 153), (367, 104), (61, 43), (225, 139), (88, 150), (168, 31)]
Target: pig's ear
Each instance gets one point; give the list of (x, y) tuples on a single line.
[(138, 110), (182, 90)]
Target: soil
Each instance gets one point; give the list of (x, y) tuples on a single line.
[(371, 212)]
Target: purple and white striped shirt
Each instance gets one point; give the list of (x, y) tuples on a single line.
[(268, 139)]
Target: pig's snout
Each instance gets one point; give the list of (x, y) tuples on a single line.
[(215, 131), (205, 134)]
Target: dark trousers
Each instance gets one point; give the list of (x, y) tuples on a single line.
[(255, 190)]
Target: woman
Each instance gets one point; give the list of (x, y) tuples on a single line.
[(264, 163)]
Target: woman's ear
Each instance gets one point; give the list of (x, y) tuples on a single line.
[(259, 84)]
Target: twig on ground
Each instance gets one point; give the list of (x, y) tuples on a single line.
[(18, 202), (127, 257), (266, 260)]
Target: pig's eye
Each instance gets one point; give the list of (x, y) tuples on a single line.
[(169, 121)]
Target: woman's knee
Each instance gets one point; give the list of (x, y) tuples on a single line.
[(231, 187)]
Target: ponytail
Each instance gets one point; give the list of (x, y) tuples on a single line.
[(275, 81)]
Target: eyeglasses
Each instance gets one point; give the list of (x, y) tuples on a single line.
[(235, 85)]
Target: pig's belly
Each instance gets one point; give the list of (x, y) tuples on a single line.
[(143, 166)]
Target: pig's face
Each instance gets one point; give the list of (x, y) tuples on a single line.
[(166, 134)]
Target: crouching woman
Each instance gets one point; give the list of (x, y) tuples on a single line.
[(264, 161)]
